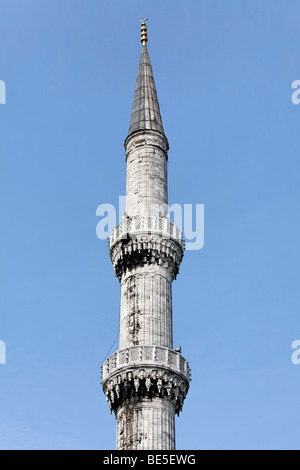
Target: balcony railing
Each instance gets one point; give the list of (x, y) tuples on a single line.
[(150, 225), (146, 355)]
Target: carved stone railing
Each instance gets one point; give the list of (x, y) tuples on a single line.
[(155, 356), (152, 225)]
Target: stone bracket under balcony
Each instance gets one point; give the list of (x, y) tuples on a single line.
[(145, 371), (146, 240)]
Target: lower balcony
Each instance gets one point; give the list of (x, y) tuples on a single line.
[(146, 355)]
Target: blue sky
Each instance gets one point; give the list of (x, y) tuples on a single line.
[(223, 72)]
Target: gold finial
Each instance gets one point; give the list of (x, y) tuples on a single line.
[(144, 37)]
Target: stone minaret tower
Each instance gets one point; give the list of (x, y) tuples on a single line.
[(146, 380)]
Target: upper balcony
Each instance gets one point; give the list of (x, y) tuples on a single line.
[(151, 225)]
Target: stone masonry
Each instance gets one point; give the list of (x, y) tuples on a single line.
[(146, 380)]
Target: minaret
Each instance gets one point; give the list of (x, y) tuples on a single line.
[(146, 380)]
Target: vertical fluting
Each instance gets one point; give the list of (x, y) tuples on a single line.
[(146, 181), (146, 307), (146, 425)]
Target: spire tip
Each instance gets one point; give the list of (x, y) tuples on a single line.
[(144, 36)]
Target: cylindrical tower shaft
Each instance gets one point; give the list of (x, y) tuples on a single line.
[(146, 182), (146, 307)]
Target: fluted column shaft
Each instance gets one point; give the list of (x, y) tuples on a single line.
[(146, 425), (146, 181), (146, 307)]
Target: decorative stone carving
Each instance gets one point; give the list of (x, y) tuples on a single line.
[(136, 249), (145, 381), (148, 354)]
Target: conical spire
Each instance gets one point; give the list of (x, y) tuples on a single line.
[(145, 110)]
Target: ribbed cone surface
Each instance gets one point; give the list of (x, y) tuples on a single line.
[(145, 110)]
